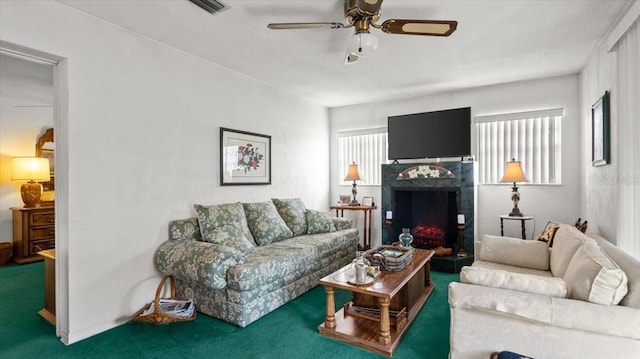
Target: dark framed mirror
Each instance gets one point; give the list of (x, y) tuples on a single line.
[(45, 147)]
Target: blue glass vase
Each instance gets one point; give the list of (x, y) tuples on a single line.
[(405, 237)]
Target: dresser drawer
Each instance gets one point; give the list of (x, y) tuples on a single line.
[(42, 218), (41, 233), (37, 246)]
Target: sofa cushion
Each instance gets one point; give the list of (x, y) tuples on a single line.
[(319, 222), (516, 252), (565, 244), (555, 287), (212, 217), (265, 223), (292, 212), (594, 277)]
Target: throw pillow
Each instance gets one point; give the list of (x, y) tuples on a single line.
[(292, 212), (230, 235), (265, 223), (566, 242), (319, 222), (212, 217), (592, 276), (548, 233)]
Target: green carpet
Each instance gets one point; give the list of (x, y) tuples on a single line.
[(289, 332)]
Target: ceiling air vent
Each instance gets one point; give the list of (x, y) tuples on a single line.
[(211, 6)]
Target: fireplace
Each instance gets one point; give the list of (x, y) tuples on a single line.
[(430, 212), (427, 198)]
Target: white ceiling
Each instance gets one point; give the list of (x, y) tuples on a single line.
[(496, 42)]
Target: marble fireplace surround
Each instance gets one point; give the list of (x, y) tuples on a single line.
[(455, 176)]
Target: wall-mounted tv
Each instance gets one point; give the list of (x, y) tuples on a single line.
[(435, 134)]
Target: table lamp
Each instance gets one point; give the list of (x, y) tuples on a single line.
[(353, 175), (513, 173), (30, 169)]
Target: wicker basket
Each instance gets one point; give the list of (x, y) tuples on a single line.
[(5, 252), (159, 317), (391, 258)]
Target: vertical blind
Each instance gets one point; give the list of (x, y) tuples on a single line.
[(533, 138), (368, 149)]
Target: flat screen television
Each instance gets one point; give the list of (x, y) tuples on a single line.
[(435, 134)]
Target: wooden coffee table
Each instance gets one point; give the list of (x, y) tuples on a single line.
[(379, 314)]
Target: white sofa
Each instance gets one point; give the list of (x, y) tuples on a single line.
[(578, 299)]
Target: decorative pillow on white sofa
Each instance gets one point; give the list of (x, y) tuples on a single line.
[(566, 242), (594, 277), (551, 286), (515, 252)]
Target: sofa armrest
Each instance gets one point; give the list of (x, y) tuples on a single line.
[(574, 314), (342, 223), (514, 251), (495, 278), (200, 262)]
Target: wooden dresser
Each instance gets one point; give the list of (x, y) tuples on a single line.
[(33, 231)]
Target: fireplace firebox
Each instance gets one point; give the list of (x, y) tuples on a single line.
[(430, 213)]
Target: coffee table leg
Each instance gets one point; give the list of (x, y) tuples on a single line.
[(384, 336), (330, 317)]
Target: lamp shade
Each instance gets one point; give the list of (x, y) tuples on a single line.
[(353, 174), (513, 172), (30, 169), (362, 43)]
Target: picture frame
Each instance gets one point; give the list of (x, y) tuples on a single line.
[(345, 199), (245, 158), (600, 132), (367, 201)]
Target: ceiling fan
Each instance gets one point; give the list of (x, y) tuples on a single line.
[(364, 14)]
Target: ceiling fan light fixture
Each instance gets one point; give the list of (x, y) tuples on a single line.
[(362, 43)]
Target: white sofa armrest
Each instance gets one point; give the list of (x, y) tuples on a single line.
[(496, 278), (616, 320), (515, 252)]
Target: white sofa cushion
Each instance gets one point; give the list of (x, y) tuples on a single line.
[(594, 277), (565, 244), (516, 252), (551, 286)]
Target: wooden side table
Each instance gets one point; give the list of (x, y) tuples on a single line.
[(522, 223), (49, 310), (366, 235)]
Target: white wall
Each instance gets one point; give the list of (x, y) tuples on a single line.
[(142, 146), (606, 186), (24, 87), (560, 203)]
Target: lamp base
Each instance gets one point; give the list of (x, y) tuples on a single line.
[(515, 198), (515, 212), (31, 193)]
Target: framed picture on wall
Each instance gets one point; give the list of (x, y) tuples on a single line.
[(245, 158), (600, 132)]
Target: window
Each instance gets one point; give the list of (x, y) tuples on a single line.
[(367, 148), (530, 137)]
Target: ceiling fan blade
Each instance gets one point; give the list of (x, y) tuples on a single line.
[(419, 27), (305, 25), (369, 7)]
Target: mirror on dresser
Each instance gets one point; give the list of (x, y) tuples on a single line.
[(34, 228)]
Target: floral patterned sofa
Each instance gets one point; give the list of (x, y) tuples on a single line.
[(240, 261)]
